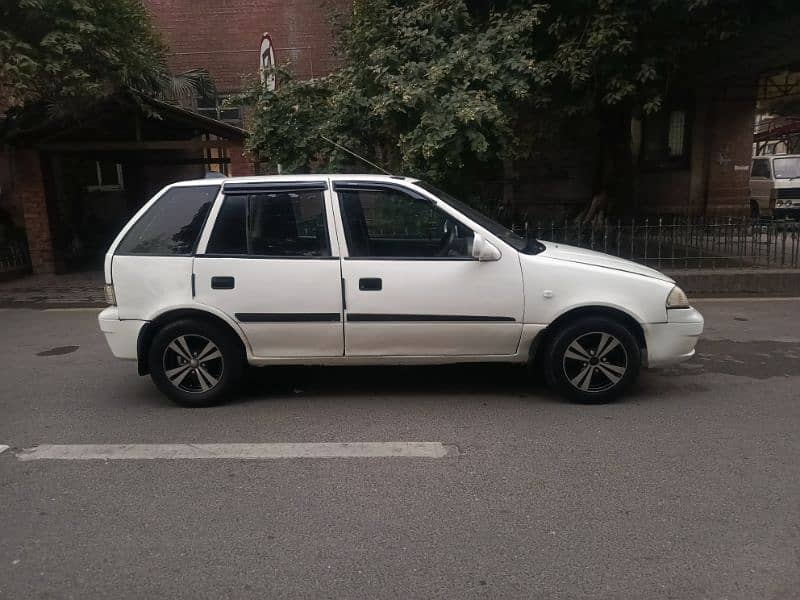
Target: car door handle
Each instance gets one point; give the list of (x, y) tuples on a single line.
[(370, 284), (223, 283)]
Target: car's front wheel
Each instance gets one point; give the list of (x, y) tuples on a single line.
[(195, 362), (593, 360)]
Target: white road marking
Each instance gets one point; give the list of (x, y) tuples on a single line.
[(3, 448), (73, 309), (238, 451), (776, 299)]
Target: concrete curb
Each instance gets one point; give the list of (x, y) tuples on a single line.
[(739, 282)]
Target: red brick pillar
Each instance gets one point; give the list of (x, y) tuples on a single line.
[(731, 150), (30, 191), (241, 164)]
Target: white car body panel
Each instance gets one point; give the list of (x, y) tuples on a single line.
[(147, 284), (430, 289), (528, 292), (275, 286)]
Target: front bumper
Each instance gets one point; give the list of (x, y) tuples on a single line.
[(792, 213), (122, 336), (673, 342)]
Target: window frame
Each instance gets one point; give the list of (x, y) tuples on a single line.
[(150, 205), (381, 186), (107, 187), (768, 162), (247, 189), (665, 162)]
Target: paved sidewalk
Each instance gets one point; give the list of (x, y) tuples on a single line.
[(54, 291)]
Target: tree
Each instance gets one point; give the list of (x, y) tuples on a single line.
[(449, 90), (66, 54)]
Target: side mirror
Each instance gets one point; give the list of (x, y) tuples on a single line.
[(484, 250)]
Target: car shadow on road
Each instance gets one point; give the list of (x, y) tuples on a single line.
[(445, 380)]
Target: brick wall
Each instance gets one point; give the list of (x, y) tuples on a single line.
[(241, 163), (29, 190), (224, 36), (730, 149)]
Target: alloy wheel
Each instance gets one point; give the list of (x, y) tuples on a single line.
[(193, 363), (595, 362)]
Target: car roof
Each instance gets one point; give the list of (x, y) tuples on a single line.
[(294, 178)]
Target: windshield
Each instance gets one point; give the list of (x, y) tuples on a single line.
[(504, 233), (786, 168)]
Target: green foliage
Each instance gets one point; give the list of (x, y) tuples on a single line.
[(442, 91), (65, 54)]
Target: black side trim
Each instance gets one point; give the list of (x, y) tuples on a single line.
[(371, 318), (259, 187), (267, 256), (288, 317), (415, 258)]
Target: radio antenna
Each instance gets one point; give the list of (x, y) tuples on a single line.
[(361, 158)]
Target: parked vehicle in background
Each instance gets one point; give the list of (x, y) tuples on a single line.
[(775, 186), (366, 269)]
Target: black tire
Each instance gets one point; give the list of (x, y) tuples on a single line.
[(755, 210), (206, 383), (592, 360)]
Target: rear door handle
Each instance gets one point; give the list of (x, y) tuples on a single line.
[(223, 283), (370, 284)]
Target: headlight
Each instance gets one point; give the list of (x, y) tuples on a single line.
[(111, 298), (677, 299)]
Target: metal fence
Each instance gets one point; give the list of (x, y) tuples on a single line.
[(14, 256), (682, 243)]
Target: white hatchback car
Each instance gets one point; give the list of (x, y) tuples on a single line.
[(211, 275)]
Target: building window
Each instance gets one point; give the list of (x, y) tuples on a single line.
[(267, 62), (108, 177), (676, 133), (665, 138), (218, 107)]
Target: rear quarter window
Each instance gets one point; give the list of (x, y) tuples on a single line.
[(172, 225)]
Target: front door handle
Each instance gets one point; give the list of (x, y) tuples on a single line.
[(370, 284), (222, 283)]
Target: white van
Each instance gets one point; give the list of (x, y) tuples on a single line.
[(775, 186), (212, 275)]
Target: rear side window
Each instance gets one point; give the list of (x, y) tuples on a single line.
[(172, 225), (281, 223)]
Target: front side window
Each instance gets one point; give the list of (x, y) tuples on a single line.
[(760, 168), (271, 224), (386, 223), (172, 225)]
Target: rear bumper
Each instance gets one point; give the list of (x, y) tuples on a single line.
[(673, 342), (122, 336)]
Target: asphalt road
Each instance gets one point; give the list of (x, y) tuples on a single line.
[(689, 488)]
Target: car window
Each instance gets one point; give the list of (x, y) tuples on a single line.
[(387, 223), (172, 225), (760, 168), (787, 168), (527, 246), (282, 223)]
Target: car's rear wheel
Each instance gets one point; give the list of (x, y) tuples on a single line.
[(593, 360), (195, 362)]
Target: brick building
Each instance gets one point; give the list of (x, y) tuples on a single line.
[(65, 190), (57, 184), (225, 38)]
